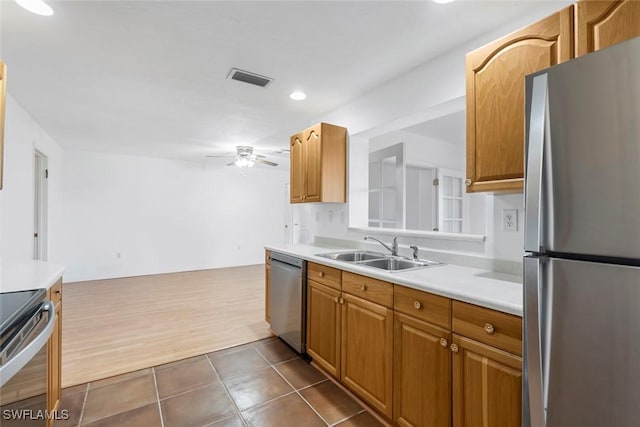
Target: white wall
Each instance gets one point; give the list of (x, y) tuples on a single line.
[(127, 216), (22, 136)]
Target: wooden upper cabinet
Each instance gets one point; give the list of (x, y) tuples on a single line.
[(367, 352), (603, 23), (3, 100), (496, 95), (319, 165), (487, 385), (296, 187), (313, 141)]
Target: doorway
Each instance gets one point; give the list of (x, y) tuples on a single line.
[(41, 174)]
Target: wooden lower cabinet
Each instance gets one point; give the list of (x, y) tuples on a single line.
[(367, 352), (324, 326), (487, 385), (54, 354), (422, 373), (267, 285)]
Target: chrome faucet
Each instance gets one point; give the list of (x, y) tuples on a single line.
[(414, 248), (394, 246)]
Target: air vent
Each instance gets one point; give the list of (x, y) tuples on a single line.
[(248, 77)]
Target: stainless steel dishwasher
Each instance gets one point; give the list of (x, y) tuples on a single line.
[(288, 300)]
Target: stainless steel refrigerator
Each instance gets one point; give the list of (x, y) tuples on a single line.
[(582, 238)]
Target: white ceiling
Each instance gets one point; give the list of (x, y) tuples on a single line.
[(149, 77)]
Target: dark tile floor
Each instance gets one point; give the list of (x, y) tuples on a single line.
[(257, 384)]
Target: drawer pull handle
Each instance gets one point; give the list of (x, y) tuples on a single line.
[(417, 305), (454, 348), (443, 342), (488, 328), (321, 274), (335, 299), (363, 288)]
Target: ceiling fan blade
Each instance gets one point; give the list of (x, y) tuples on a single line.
[(219, 155), (266, 162), (232, 163), (260, 156)]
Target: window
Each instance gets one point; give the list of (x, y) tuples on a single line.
[(386, 181)]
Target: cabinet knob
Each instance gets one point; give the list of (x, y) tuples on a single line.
[(488, 328), (467, 182), (341, 300), (454, 348), (417, 305), (336, 299), (321, 274), (363, 288), (58, 291), (443, 342)]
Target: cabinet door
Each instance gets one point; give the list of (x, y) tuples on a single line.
[(487, 385), (422, 373), (603, 23), (267, 292), (313, 148), (495, 99), (54, 364), (367, 351), (323, 326), (3, 95), (297, 168)]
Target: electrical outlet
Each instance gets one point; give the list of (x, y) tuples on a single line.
[(509, 220)]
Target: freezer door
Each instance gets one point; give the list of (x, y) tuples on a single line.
[(582, 341), (583, 151)]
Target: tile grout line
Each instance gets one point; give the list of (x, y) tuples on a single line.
[(155, 384), (349, 417), (84, 403), (226, 390), (300, 395)]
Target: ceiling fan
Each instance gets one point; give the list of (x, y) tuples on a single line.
[(245, 158)]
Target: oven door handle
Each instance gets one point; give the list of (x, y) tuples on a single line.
[(18, 361)]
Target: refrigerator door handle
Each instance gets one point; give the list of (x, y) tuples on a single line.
[(534, 378), (537, 99)]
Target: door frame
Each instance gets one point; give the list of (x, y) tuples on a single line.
[(40, 205)]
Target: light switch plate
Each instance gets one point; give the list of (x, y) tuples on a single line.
[(509, 220)]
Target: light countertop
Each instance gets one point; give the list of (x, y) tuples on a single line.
[(489, 289), (30, 275)]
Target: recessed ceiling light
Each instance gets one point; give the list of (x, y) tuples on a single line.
[(442, 1), (297, 95), (38, 7)]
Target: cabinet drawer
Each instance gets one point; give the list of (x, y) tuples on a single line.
[(491, 327), (370, 289), (325, 275), (422, 305), (55, 292)]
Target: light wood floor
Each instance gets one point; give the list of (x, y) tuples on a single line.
[(114, 326)]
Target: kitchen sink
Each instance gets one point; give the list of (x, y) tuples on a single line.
[(355, 256), (398, 264), (379, 261)]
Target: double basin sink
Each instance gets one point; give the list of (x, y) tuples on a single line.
[(380, 261)]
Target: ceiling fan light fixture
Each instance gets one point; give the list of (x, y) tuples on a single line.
[(38, 7), (245, 162), (297, 95)]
